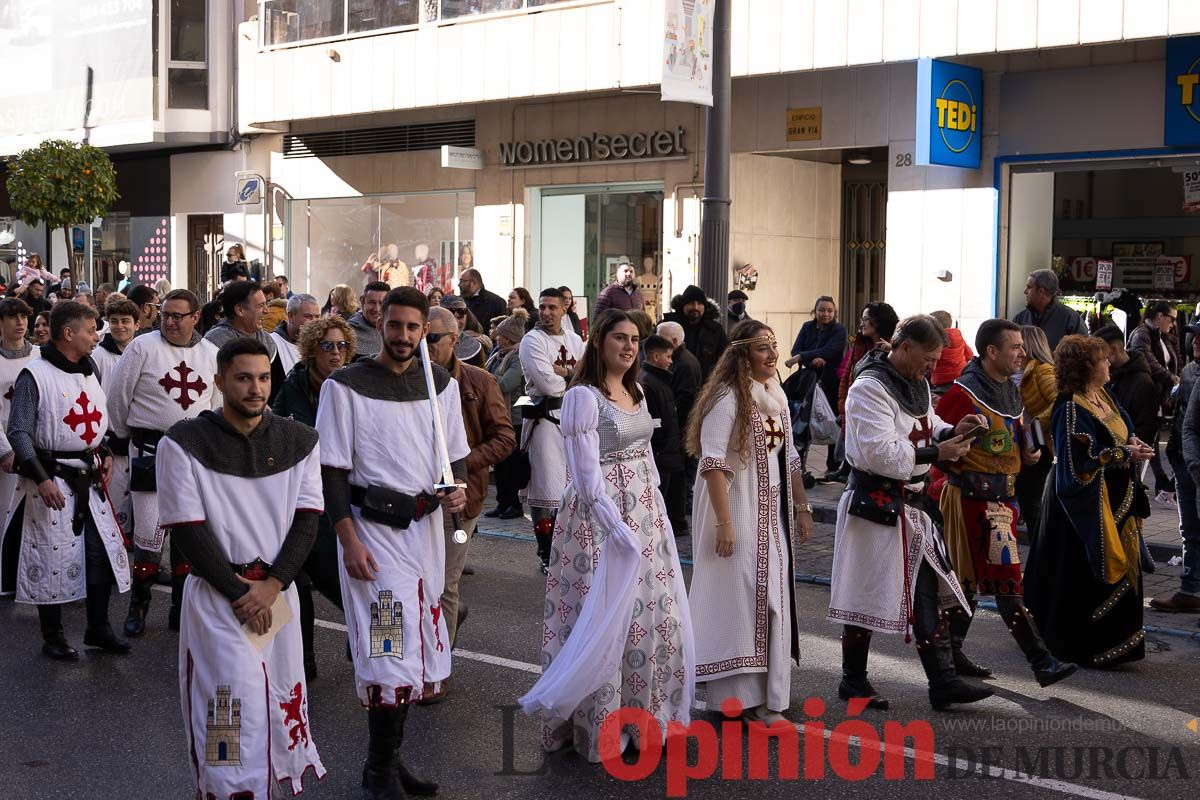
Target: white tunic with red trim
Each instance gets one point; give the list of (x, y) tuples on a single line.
[(245, 711), (744, 604), (9, 369), (154, 385), (875, 566), (72, 416), (397, 635), (540, 353)]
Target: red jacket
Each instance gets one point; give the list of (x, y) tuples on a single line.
[(954, 359)]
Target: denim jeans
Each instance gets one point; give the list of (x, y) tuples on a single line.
[(1189, 525)]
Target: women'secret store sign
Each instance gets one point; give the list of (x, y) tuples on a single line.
[(599, 148)]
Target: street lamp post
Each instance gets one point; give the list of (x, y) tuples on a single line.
[(714, 228)]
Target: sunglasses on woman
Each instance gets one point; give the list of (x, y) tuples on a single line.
[(329, 347)]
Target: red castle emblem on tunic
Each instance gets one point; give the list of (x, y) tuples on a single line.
[(183, 384), (293, 712), (88, 418)]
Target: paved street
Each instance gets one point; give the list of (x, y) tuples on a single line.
[(111, 726)]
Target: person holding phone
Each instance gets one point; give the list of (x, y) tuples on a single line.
[(979, 503)]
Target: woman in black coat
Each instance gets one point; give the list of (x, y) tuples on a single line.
[(820, 346)]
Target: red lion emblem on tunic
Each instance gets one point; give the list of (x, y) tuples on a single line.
[(293, 712)]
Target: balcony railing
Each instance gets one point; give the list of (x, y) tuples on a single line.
[(290, 22)]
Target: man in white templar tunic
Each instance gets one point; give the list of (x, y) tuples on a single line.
[(162, 377), (380, 467), (548, 356), (244, 504), (890, 570), (71, 546), (121, 323), (15, 354)]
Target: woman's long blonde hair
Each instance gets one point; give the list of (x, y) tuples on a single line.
[(732, 373), (343, 297)]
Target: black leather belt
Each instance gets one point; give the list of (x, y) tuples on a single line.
[(392, 508), (145, 438)]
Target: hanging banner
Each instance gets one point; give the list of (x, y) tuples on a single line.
[(687, 52), (949, 114)]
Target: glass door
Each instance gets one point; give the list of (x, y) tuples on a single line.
[(586, 231)]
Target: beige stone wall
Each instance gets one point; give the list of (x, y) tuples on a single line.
[(786, 221)]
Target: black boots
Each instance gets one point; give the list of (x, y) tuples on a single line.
[(945, 686), (99, 633), (1047, 669), (960, 623), (142, 574), (380, 774), (384, 776), (54, 641), (932, 631), (856, 645)]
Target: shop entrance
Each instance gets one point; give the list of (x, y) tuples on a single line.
[(582, 233), (864, 237), (1101, 225), (206, 246)]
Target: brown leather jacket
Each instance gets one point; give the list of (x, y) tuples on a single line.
[(489, 429)]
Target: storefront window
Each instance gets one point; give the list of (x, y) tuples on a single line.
[(406, 238), (585, 232)]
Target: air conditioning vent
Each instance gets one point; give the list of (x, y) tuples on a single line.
[(396, 139)]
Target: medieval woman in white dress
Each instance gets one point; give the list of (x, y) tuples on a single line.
[(743, 587), (617, 633)]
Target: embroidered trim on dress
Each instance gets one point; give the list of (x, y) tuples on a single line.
[(1121, 649), (762, 558), (709, 463), (631, 454), (1122, 588)]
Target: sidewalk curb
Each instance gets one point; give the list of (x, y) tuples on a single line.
[(822, 580)]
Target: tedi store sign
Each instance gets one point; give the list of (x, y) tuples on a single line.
[(599, 148), (949, 114), (1181, 112)]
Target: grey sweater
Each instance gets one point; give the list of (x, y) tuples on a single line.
[(369, 341), (223, 332)]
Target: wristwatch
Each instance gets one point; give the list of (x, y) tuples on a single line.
[(805, 507)]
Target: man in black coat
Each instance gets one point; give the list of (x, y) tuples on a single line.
[(703, 333), (485, 305), (686, 378), (1131, 382), (666, 441)]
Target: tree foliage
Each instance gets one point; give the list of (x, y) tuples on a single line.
[(61, 183)]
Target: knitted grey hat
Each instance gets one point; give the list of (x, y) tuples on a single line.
[(513, 326)]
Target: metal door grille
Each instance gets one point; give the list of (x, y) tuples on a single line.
[(864, 235)]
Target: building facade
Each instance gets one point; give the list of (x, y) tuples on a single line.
[(151, 82)]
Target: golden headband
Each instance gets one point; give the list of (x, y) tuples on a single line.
[(765, 338)]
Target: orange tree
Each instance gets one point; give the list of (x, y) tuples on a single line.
[(62, 184)]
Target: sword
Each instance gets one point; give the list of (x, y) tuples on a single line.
[(460, 536)]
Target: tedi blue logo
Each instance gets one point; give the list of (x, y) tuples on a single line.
[(949, 111), (1181, 106)]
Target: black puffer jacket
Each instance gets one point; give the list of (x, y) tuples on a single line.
[(706, 339), (1133, 386)]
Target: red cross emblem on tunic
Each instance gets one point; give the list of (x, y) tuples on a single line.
[(183, 384), (923, 435), (774, 433), (88, 418), (563, 359)]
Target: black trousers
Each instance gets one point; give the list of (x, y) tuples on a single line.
[(512, 475), (99, 576), (1031, 482)]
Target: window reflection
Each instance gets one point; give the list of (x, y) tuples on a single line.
[(290, 21)]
